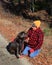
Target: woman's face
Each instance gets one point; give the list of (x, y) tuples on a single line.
[(34, 27)]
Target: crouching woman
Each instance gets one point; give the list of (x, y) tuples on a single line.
[(34, 40)]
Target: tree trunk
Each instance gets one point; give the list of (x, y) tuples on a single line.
[(32, 8)]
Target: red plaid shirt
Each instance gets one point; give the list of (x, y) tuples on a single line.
[(35, 38)]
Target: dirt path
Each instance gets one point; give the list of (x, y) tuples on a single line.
[(6, 58)]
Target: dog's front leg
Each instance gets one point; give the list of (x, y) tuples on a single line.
[(17, 52), (21, 48)]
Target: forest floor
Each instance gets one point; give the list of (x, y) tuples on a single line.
[(11, 25)]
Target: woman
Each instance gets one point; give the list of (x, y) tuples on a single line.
[(34, 40)]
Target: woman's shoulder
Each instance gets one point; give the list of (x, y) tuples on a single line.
[(39, 30)]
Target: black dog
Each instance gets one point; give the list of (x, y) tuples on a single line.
[(15, 47)]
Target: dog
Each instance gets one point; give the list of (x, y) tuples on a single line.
[(16, 46)]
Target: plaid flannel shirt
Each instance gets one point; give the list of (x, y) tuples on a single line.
[(35, 38)]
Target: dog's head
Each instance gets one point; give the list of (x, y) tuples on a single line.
[(22, 35)]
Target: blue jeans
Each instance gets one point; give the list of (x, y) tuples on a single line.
[(33, 54)]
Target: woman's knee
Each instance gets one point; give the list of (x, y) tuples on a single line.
[(35, 53)]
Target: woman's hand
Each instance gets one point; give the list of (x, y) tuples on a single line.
[(26, 40), (31, 50)]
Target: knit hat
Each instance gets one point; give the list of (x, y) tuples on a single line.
[(37, 23)]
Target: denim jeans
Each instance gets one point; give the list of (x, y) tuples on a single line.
[(33, 54)]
